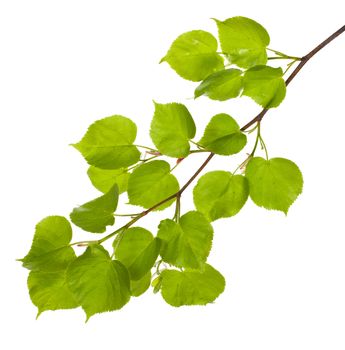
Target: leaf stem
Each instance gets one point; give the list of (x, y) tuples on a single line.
[(198, 151), (196, 144), (263, 146), (148, 159), (176, 217), (283, 56), (145, 147), (131, 215), (258, 136), (252, 153)]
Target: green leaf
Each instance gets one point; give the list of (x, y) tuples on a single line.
[(150, 183), (105, 179), (107, 143), (49, 251), (48, 259), (244, 41), (95, 215), (221, 85), (98, 283), (191, 287), (264, 85), (49, 291), (172, 127), (138, 250), (274, 183), (187, 243), (193, 55), (219, 194), (223, 135), (141, 286), (156, 284)]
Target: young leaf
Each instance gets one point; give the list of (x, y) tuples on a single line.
[(156, 284), (141, 286), (98, 283), (223, 135), (244, 41), (187, 243), (95, 215), (193, 55), (49, 291), (49, 251), (219, 194), (138, 250), (274, 183), (172, 127), (221, 85), (264, 85), (191, 287), (107, 143), (150, 183), (105, 179)]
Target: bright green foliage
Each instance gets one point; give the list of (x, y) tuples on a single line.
[(50, 250), (265, 85), (244, 41), (188, 242), (141, 286), (138, 250), (172, 127), (193, 55), (98, 283), (107, 143), (96, 215), (49, 291), (191, 287), (221, 85), (105, 179), (274, 183), (150, 183), (219, 194), (223, 135)]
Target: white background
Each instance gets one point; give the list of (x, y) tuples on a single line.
[(64, 64)]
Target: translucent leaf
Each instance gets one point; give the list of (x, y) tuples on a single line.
[(264, 85), (156, 284), (107, 143), (244, 41), (105, 179), (221, 85), (172, 127), (219, 194), (49, 251), (98, 283), (141, 286), (193, 55), (275, 183), (188, 242), (49, 291), (138, 250), (191, 287), (96, 215), (223, 136), (150, 183)]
